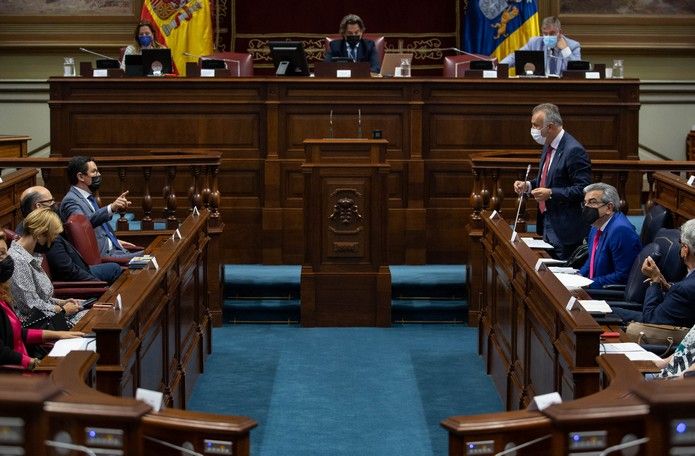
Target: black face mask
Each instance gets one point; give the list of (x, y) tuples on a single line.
[(96, 183), (41, 248), (589, 215), (352, 40), (6, 269)]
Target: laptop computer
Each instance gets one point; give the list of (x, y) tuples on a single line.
[(529, 63), (332, 69), (133, 65), (393, 60), (156, 61)]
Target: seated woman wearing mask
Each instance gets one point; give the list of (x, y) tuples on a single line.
[(31, 287), (145, 38), (13, 338)]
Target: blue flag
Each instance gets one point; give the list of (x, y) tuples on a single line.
[(498, 27)]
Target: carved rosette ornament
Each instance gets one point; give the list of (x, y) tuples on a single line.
[(346, 217)]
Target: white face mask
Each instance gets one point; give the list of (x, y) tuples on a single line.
[(537, 136)]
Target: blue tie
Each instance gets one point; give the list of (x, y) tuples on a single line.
[(352, 53), (106, 225)]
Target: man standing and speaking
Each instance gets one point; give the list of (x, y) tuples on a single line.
[(565, 169)]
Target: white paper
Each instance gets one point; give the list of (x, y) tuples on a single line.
[(154, 263), (100, 73), (489, 74), (632, 350), (207, 73), (493, 215), (343, 74), (397, 72), (595, 306), (152, 398), (536, 243), (573, 280), (64, 346), (563, 269), (592, 75), (551, 261), (543, 401), (571, 303)]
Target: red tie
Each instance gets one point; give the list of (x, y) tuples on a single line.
[(544, 175), (593, 253)]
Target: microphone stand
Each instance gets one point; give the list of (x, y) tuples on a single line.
[(97, 54), (521, 200)]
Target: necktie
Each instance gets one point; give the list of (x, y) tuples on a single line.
[(352, 53), (106, 225), (597, 236), (544, 176)]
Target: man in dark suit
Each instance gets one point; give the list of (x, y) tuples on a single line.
[(666, 303), (613, 242), (565, 169), (86, 179), (64, 261), (353, 46)]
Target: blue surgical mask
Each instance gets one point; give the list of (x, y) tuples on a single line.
[(145, 40), (550, 41)]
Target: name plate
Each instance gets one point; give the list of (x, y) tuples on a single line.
[(343, 74), (571, 303), (691, 180), (592, 75), (207, 73), (489, 74), (100, 73)]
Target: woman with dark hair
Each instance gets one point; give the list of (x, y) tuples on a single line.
[(13, 337), (145, 38)]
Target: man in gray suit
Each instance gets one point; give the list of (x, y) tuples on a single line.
[(85, 180)]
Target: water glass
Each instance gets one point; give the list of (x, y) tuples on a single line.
[(618, 69), (68, 66)]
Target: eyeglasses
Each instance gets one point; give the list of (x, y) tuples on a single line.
[(49, 202), (593, 203)]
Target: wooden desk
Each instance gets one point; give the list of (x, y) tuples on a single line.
[(531, 343), (13, 146), (258, 124), (162, 334), (674, 193)]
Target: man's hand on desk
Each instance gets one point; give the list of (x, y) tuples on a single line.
[(541, 193), (520, 187)]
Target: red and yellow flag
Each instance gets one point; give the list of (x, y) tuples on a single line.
[(184, 26)]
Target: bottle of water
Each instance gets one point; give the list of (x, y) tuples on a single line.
[(405, 68), (618, 69), (68, 66)]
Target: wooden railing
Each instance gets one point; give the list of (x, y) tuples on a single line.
[(494, 174), (137, 175)]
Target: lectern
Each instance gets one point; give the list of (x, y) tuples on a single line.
[(345, 278)]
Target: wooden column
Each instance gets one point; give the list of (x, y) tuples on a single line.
[(345, 277)]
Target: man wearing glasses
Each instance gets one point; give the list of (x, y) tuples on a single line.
[(613, 241)]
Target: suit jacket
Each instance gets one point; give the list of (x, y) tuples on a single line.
[(74, 203), (366, 52), (569, 173), (675, 307), (617, 248), (66, 263), (536, 44)]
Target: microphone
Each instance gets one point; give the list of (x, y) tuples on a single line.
[(69, 446), (97, 54), (622, 446), (477, 56), (523, 445), (518, 210), (176, 447)]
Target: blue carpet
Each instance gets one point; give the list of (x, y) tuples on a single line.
[(262, 293), (345, 391)]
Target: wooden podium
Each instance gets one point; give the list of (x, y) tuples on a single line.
[(345, 278)]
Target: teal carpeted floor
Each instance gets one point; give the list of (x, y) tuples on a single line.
[(345, 391)]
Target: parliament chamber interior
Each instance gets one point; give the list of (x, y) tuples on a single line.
[(328, 263)]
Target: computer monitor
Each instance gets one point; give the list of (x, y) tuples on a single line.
[(133, 65), (213, 64), (578, 65), (289, 58), (107, 64), (529, 63), (481, 65), (156, 61)]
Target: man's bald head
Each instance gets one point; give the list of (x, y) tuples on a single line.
[(34, 198)]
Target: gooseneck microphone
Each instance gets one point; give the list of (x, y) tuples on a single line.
[(97, 54)]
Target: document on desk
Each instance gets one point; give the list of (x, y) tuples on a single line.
[(633, 351), (595, 306), (64, 346), (563, 269), (573, 280), (536, 243)]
